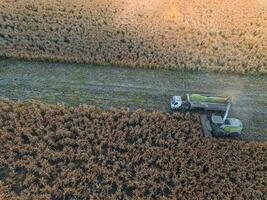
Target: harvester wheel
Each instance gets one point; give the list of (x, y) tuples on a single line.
[(185, 106), (217, 132)]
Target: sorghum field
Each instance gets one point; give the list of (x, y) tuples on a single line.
[(54, 152), (210, 35)]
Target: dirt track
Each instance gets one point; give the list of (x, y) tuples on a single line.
[(116, 87)]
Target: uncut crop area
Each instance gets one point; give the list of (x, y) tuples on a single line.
[(59, 153), (210, 35)]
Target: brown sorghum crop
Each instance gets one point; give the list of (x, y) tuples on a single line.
[(209, 35), (54, 152)]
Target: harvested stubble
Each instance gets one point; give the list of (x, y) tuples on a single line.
[(210, 35), (53, 152)]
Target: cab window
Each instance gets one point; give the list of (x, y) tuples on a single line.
[(227, 122)]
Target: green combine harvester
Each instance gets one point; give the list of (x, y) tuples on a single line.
[(216, 109)]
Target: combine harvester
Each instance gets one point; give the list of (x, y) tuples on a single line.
[(214, 115)]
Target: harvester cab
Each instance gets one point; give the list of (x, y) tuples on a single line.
[(218, 107)]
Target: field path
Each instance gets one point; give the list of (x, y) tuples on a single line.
[(107, 87)]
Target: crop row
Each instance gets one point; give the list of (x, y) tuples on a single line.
[(54, 152), (206, 35)]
